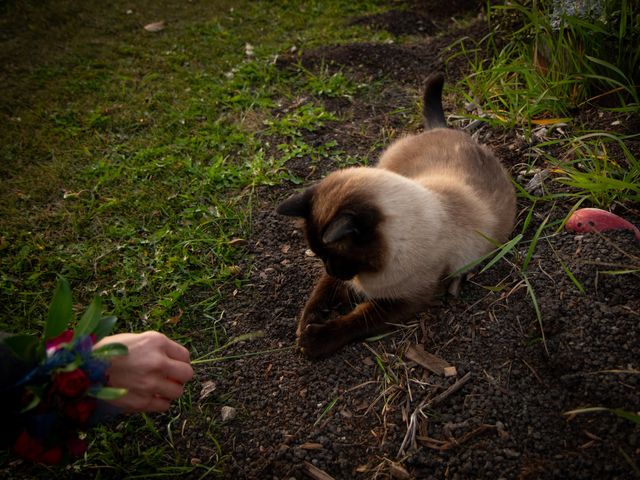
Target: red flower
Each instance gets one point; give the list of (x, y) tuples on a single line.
[(76, 446), (28, 447), (71, 384), (54, 344), (80, 410), (51, 456)]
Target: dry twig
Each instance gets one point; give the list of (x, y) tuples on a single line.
[(314, 472)]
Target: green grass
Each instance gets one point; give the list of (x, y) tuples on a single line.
[(599, 166), (534, 69), (131, 162)]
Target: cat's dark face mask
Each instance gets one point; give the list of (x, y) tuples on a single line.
[(349, 243), (340, 268)]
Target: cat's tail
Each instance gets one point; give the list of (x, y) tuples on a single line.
[(432, 102)]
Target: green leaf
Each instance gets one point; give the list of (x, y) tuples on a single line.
[(89, 321), (620, 272), (632, 417), (33, 404), (536, 307), (35, 401), (572, 277), (111, 350), (70, 367), (500, 251), (534, 243), (109, 393), (24, 347), (635, 418), (105, 326), (60, 311), (527, 220), (326, 410), (506, 248)]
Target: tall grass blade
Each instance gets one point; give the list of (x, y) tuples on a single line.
[(536, 307), (502, 251), (534, 243)]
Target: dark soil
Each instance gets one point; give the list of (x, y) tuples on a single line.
[(345, 416)]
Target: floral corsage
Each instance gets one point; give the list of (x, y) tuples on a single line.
[(61, 394)]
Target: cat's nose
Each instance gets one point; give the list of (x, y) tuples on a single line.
[(336, 270)]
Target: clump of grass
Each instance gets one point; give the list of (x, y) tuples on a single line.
[(598, 166), (554, 61), (330, 85)]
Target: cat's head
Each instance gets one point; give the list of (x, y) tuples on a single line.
[(342, 225)]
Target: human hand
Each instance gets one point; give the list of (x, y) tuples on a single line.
[(153, 372)]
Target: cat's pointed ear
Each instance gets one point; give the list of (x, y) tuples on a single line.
[(298, 205), (339, 228)]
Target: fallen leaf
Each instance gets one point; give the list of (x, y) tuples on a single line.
[(549, 121), (537, 180), (155, 26), (208, 388), (346, 413), (176, 318), (311, 446), (398, 471)]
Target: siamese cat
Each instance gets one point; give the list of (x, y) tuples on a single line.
[(390, 236)]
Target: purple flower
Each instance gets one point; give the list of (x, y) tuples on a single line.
[(96, 370), (83, 346), (41, 374), (59, 359)]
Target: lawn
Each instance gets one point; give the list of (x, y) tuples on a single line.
[(144, 166)]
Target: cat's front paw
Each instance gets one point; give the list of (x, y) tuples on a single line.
[(310, 318), (320, 340)]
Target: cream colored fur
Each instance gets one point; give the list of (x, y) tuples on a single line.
[(434, 210)]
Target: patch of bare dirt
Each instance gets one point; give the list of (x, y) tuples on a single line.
[(348, 417), (399, 22), (423, 17), (404, 63)]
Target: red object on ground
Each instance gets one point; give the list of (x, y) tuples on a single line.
[(586, 220)]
